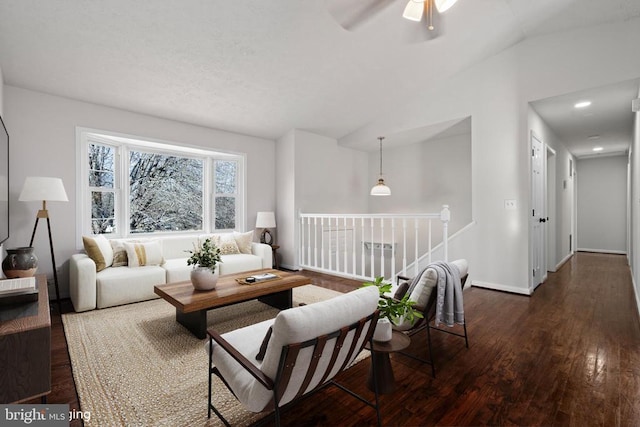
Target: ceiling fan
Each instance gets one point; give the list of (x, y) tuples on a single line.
[(353, 14), (416, 9)]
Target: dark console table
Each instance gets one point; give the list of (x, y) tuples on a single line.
[(25, 348)]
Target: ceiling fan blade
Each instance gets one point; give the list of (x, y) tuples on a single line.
[(352, 14)]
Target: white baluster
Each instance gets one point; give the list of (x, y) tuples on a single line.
[(404, 245), (393, 248), (445, 216)]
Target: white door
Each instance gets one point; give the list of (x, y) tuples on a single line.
[(538, 215)]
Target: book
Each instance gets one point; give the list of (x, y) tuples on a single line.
[(264, 276)]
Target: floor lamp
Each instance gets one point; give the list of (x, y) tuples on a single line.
[(39, 188)]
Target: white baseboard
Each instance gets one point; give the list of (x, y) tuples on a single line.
[(565, 259), (289, 267), (635, 293), (602, 251), (503, 288)]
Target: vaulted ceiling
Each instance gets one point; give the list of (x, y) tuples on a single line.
[(263, 67)]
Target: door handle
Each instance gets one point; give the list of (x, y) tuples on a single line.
[(543, 220)]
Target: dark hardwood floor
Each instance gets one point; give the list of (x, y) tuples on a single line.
[(568, 355)]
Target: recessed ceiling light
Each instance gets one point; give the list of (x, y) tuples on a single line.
[(582, 104), (594, 137), (597, 149)]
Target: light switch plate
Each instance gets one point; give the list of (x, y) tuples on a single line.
[(510, 204)]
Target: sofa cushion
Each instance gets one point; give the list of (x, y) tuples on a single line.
[(99, 250), (177, 270), (239, 262), (144, 253), (122, 285)]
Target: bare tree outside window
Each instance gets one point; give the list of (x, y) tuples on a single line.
[(166, 193), (135, 186), (102, 183), (226, 189)]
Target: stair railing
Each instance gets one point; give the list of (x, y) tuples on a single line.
[(364, 246)]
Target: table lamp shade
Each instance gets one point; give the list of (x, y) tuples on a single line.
[(42, 188), (266, 220)]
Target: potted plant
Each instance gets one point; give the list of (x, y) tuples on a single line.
[(392, 311), (204, 258)]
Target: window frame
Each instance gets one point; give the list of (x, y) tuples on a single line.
[(123, 145)]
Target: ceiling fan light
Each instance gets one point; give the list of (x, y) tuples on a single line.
[(444, 5), (414, 10)]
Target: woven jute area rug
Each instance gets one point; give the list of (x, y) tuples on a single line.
[(134, 365)]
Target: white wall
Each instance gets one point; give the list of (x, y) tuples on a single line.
[(43, 143), (602, 204), (1, 93), (286, 215), (634, 202), (326, 178)]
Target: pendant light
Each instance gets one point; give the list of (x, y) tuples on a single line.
[(380, 189)]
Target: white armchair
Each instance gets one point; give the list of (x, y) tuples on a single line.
[(272, 363)]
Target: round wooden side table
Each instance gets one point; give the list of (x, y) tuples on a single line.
[(382, 364)]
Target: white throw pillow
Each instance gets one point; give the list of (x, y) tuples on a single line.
[(119, 253), (227, 244), (144, 253), (243, 240)]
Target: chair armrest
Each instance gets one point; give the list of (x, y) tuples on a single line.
[(243, 361), (399, 277)]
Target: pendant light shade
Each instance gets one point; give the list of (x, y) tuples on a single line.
[(414, 10), (380, 189)]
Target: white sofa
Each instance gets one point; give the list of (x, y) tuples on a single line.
[(122, 285)]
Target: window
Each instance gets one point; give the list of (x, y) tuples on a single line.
[(130, 186)]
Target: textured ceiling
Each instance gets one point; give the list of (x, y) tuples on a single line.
[(262, 67)]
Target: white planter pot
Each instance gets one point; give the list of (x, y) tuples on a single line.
[(203, 279), (383, 330)]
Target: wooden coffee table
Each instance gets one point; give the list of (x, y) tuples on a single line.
[(192, 305)]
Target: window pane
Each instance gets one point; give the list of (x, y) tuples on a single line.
[(101, 166), (165, 193), (102, 212), (226, 176), (225, 213)]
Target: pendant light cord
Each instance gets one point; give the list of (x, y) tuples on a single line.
[(381, 138)]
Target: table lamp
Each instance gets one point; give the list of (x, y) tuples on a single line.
[(266, 220)]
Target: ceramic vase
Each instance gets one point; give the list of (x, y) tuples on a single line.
[(383, 330), (203, 279), (20, 262)]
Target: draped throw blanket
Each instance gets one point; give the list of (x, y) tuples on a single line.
[(449, 303)]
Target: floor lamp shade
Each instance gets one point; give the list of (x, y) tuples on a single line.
[(43, 188)]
